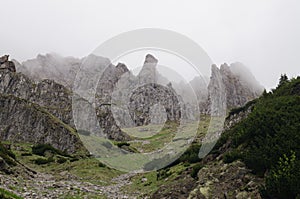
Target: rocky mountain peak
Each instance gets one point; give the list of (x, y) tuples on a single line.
[(6, 64), (237, 83), (121, 68), (150, 59), (149, 73)]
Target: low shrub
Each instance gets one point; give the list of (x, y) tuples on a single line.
[(61, 160), (195, 169), (283, 180), (40, 150), (4, 194), (231, 156), (40, 161), (26, 154), (100, 164), (120, 144)]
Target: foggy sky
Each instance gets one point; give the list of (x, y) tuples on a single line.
[(262, 34)]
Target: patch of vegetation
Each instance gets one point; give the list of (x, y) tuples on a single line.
[(7, 155), (154, 180), (125, 146), (4, 194), (84, 169), (40, 150), (61, 160), (195, 169), (283, 180), (120, 144), (191, 155), (26, 154), (40, 161), (265, 139), (231, 156), (242, 108), (100, 164)]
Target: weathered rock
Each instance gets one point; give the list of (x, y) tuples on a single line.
[(230, 84), (51, 66), (220, 180), (4, 59), (24, 121), (143, 98), (5, 64), (229, 87), (52, 96)]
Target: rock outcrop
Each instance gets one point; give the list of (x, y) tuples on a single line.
[(145, 97), (220, 180), (231, 84), (52, 96), (229, 87), (36, 113), (51, 66), (5, 64), (24, 121)]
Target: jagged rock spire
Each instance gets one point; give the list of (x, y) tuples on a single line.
[(5, 64)]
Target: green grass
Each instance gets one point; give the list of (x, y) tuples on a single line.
[(85, 169), (147, 188), (4, 194)]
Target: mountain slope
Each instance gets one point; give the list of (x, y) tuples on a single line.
[(24, 121), (265, 136)]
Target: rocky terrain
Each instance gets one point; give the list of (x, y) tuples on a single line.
[(239, 84), (36, 108), (48, 186)]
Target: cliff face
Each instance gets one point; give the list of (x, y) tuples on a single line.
[(145, 97), (51, 66), (24, 121), (36, 113), (239, 84), (52, 96), (233, 83)]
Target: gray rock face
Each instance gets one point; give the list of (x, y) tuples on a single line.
[(5, 64), (24, 121), (36, 113), (52, 96), (143, 98), (228, 87), (231, 83), (238, 115), (51, 66), (57, 98)]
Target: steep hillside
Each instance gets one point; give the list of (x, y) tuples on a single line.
[(24, 121), (264, 136), (256, 157), (54, 97)]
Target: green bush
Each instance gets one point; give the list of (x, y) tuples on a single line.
[(231, 156), (283, 180), (269, 132), (26, 154), (61, 160), (40, 161), (40, 150), (100, 164), (7, 155), (120, 144), (195, 169), (163, 173), (74, 159), (4, 194)]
